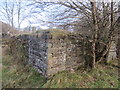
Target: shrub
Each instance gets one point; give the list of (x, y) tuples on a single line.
[(18, 49)]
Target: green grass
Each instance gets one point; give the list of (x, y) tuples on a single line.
[(15, 75), (102, 77), (19, 77), (55, 32)]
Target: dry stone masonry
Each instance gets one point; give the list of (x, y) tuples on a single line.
[(51, 55)]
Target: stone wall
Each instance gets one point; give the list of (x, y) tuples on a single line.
[(56, 55), (37, 50), (64, 53), (51, 55), (38, 47)]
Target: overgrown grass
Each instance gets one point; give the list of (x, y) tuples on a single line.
[(24, 77), (19, 76), (16, 75), (15, 72), (101, 77), (55, 32)]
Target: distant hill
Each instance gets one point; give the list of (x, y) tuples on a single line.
[(7, 30)]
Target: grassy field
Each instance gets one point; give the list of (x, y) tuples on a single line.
[(18, 77), (14, 75), (102, 77)]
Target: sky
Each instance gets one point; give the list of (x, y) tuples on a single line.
[(33, 19), (38, 17)]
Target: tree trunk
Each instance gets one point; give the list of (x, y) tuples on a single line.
[(111, 34), (118, 26), (94, 16)]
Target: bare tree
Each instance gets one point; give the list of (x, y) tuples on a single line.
[(118, 28), (9, 12), (15, 12), (99, 17), (95, 36)]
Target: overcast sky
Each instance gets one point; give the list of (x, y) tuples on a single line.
[(33, 20), (40, 17)]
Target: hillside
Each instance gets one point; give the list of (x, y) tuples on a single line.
[(61, 44), (101, 77), (15, 76), (7, 30)]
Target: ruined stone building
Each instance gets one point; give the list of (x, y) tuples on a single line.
[(51, 54)]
